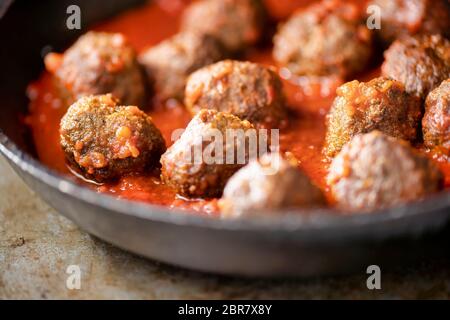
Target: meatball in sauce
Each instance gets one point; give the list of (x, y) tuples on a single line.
[(436, 121), (169, 63), (325, 39), (99, 63), (198, 163), (420, 62), (301, 118), (104, 140), (237, 23), (380, 104), (375, 171), (410, 17), (268, 184), (248, 90)]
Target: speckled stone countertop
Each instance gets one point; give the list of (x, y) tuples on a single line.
[(37, 245)]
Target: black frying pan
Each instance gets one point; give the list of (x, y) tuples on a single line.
[(288, 245)]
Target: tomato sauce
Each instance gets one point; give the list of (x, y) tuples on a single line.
[(146, 26)]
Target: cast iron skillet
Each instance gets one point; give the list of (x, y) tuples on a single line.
[(292, 245)]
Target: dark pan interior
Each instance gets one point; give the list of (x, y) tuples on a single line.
[(31, 28)]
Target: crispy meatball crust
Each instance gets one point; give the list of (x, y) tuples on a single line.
[(204, 178), (421, 62), (103, 140), (248, 90), (100, 63), (436, 121), (237, 23), (375, 171), (326, 39), (410, 17), (169, 63), (269, 183), (380, 104)]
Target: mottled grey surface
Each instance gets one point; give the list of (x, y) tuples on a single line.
[(37, 245)]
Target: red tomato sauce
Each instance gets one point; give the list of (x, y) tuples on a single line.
[(146, 26)]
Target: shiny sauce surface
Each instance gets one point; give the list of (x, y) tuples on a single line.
[(146, 26)]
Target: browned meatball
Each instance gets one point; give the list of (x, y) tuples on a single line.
[(270, 183), (376, 171), (380, 104), (436, 122), (247, 90), (325, 39), (169, 63), (103, 140), (237, 23), (421, 62), (408, 17), (100, 63), (202, 160)]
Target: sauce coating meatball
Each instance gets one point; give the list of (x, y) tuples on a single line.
[(169, 63), (436, 121), (237, 23), (99, 63), (375, 171), (247, 90), (409, 17), (421, 62), (103, 140), (380, 104), (205, 156), (269, 183), (326, 39)]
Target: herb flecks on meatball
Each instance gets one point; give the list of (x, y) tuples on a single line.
[(237, 23), (325, 39), (436, 121), (380, 104), (104, 140), (99, 63), (268, 184), (199, 164), (375, 171), (169, 63), (421, 62), (247, 90)]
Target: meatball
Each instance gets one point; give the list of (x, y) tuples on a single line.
[(326, 39), (409, 17), (421, 62), (380, 104), (247, 90), (170, 63), (375, 171), (237, 23), (100, 63), (436, 122), (211, 149), (103, 140), (270, 183)]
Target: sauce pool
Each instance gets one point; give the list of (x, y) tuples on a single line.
[(303, 137)]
